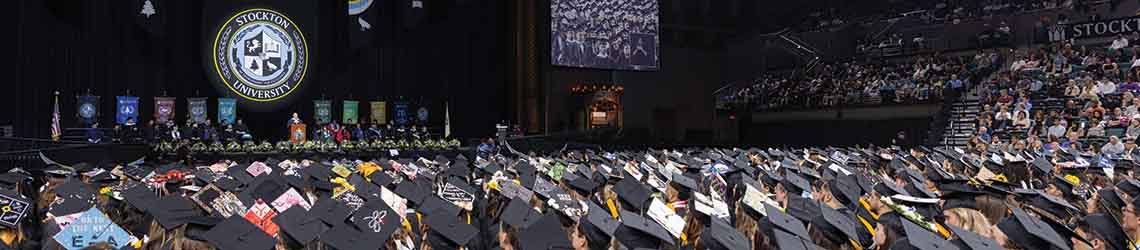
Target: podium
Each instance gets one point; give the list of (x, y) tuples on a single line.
[(297, 133)]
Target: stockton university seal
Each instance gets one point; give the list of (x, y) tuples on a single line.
[(260, 55)]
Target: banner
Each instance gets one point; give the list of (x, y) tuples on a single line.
[(1100, 28), (227, 110), (88, 109), (163, 109), (322, 111), (401, 110), (197, 109), (128, 108), (379, 110), (350, 115)]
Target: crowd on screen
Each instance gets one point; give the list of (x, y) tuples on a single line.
[(1063, 96)]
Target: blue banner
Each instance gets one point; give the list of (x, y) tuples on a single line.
[(198, 109), (87, 109), (127, 108), (401, 110), (227, 110)]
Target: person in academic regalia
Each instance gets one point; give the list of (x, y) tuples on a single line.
[(358, 132), (209, 133), (374, 132), (132, 130), (241, 130), (229, 134), (190, 131), (94, 135), (117, 134)]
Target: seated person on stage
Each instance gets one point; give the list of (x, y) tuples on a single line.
[(94, 135), (358, 132), (132, 130), (195, 132), (188, 130), (209, 134), (117, 133), (374, 132), (241, 130), (228, 134)]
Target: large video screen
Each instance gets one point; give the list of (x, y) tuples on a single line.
[(605, 34)]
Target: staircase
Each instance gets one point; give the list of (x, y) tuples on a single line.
[(963, 119)]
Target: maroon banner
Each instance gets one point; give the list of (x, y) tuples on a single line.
[(163, 109)]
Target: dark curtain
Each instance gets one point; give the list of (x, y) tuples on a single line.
[(452, 53)]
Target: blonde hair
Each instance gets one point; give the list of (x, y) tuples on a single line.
[(971, 219)]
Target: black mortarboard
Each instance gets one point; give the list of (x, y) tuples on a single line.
[(411, 191), (140, 197), (240, 174), (1043, 165), (237, 233), (1108, 229), (198, 226), (795, 183), (376, 220), (583, 185), (1130, 186), (959, 200), (451, 228), (633, 193), (1029, 232), (1110, 199), (598, 219), (173, 211), (785, 222), (920, 238), (646, 227), (438, 207), (519, 214), (839, 228), (685, 182), (969, 240), (380, 178), (545, 234), (228, 184), (887, 188), (1054, 205), (725, 237), (787, 241), (802, 208), (299, 224), (77, 197), (346, 237), (330, 211)]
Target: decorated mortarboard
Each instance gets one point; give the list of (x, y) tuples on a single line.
[(920, 238), (377, 221), (451, 228), (511, 189), (300, 225), (13, 208), (206, 196), (72, 197), (92, 227), (457, 192), (545, 234)]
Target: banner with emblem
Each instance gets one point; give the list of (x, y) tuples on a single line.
[(322, 111), (401, 110), (227, 110), (350, 115), (379, 110), (197, 109), (422, 115), (88, 109), (163, 109), (127, 108)]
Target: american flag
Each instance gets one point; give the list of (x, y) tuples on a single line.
[(56, 132)]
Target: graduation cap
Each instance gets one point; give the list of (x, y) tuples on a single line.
[(547, 233), (439, 207), (237, 233), (346, 237), (725, 237), (451, 228), (173, 211), (598, 224), (787, 241), (1029, 232), (640, 231), (519, 214), (969, 240), (583, 185), (839, 228), (633, 193), (795, 184), (376, 220), (920, 238), (887, 188), (299, 224), (412, 191), (785, 222), (1130, 186), (1107, 229), (330, 211)]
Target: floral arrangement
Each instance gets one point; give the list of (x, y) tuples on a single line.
[(910, 214)]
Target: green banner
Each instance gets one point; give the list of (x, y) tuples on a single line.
[(349, 115), (322, 111)]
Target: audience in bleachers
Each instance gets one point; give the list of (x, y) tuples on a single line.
[(1079, 98)]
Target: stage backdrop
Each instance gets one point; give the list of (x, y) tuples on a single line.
[(440, 51)]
